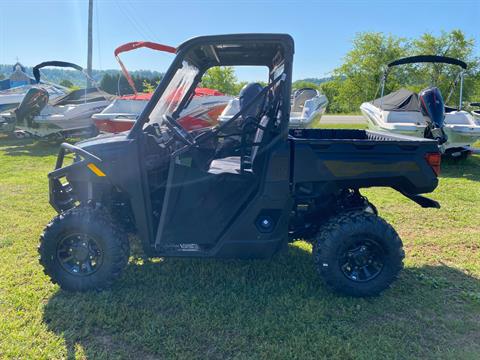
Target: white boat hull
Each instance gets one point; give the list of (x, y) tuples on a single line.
[(55, 119), (460, 126), (11, 98)]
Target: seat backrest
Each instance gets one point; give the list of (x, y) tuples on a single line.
[(247, 94), (266, 130), (300, 96), (259, 138)]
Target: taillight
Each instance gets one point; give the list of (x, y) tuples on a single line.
[(434, 160)]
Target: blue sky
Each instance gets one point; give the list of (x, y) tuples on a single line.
[(40, 30)]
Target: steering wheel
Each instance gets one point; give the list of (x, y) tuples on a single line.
[(178, 131)]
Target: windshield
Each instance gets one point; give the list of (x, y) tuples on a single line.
[(175, 92)]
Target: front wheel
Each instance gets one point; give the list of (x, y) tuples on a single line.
[(82, 249), (358, 254)]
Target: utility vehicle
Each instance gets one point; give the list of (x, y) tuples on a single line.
[(170, 188)]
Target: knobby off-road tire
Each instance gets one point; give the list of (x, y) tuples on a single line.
[(83, 249), (358, 238)]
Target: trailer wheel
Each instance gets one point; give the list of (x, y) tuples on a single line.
[(82, 249), (457, 154), (358, 254), (20, 135)]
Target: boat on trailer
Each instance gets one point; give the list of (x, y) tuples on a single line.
[(307, 107), (203, 110), (401, 111), (15, 87), (70, 115)]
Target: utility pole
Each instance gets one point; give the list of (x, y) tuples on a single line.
[(90, 40)]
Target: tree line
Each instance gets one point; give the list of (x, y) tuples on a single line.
[(117, 84), (357, 79)]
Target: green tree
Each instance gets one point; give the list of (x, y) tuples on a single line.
[(359, 76), (118, 84), (149, 86), (474, 96), (239, 86), (221, 78), (2, 76), (331, 89), (453, 44), (67, 83), (109, 83), (299, 84)]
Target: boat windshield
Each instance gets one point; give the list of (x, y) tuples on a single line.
[(175, 92)]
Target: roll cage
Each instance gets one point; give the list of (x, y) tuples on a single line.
[(275, 51)]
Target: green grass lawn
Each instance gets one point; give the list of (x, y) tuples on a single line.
[(209, 309)]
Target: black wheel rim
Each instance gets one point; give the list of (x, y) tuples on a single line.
[(79, 254), (363, 261)]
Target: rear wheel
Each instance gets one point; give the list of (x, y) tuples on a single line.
[(358, 254), (82, 249)]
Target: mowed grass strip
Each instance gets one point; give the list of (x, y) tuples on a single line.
[(184, 308)]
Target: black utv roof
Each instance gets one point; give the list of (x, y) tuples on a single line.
[(237, 49), (401, 100), (428, 59)]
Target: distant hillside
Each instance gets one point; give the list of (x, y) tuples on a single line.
[(56, 75), (316, 81)]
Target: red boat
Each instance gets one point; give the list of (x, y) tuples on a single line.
[(203, 110)]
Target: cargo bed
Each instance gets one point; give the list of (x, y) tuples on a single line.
[(363, 158)]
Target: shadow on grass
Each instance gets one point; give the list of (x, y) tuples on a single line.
[(184, 308), (466, 168), (28, 147)]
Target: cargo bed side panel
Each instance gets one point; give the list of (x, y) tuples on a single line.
[(357, 164)]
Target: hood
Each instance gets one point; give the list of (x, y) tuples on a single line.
[(106, 145)]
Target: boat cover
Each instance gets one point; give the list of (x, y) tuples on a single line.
[(401, 100), (81, 96)]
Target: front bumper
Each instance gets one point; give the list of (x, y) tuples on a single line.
[(60, 191)]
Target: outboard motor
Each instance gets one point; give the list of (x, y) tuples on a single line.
[(433, 107), (32, 104)]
